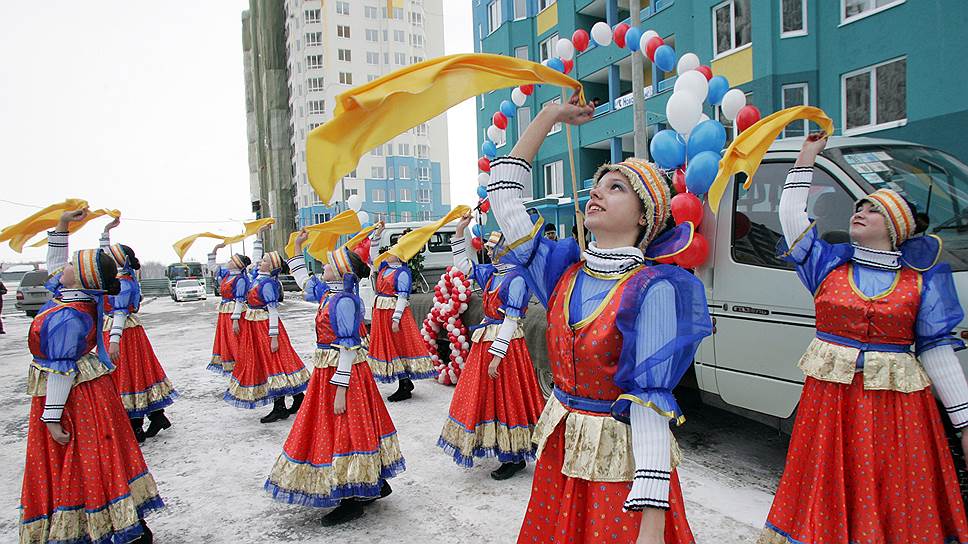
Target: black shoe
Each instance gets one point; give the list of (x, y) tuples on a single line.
[(146, 536), (403, 392), (506, 470), (348, 510), (385, 491), (296, 402), (139, 432), (159, 422), (279, 411)]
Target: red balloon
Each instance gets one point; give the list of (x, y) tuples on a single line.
[(695, 254), (483, 164), (476, 243), (580, 40), (686, 207), (679, 181), (569, 64), (527, 89), (499, 120), (747, 117), (654, 43), (706, 71), (486, 206), (620, 30)]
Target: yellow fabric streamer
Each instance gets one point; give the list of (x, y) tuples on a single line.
[(181, 246), (250, 228), (323, 236), (354, 241), (413, 242), (18, 234), (747, 150), (372, 114), (76, 225)]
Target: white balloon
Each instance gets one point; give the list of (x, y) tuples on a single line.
[(518, 97), (495, 134), (733, 101), (363, 217), (689, 61), (683, 111), (694, 83), (602, 33), (703, 118), (463, 308), (646, 36), (483, 179), (355, 202), (462, 339), (565, 49)]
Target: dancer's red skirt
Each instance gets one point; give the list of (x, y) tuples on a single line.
[(867, 467), (261, 376), (564, 509), (493, 417), (225, 346), (139, 377), (398, 355), (95, 488)]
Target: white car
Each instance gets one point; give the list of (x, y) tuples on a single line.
[(188, 290)]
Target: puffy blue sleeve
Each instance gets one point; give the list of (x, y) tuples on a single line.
[(346, 314), (123, 300), (545, 261), (482, 274), (241, 287), (314, 289), (814, 258), (940, 311), (662, 318), (63, 337), (53, 283), (404, 281), (271, 292), (515, 296)]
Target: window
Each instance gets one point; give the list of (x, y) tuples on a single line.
[(424, 215), (423, 173), (397, 13), (544, 4), (829, 204), (421, 129), (521, 52), (851, 10), (546, 49), (386, 58), (312, 126), (423, 196), (311, 15), (352, 174), (554, 182), (557, 126), (372, 58), (378, 172), (793, 18), (406, 216), (344, 55), (416, 40), (439, 242), (370, 12), (342, 8), (875, 98), (400, 58), (415, 59), (349, 192), (372, 35), (416, 18), (317, 107), (524, 119), (343, 31), (406, 195), (385, 34), (371, 77), (494, 16), (314, 38), (731, 26), (314, 61), (377, 151), (315, 83), (520, 9), (346, 78), (399, 36), (379, 195), (423, 151), (403, 149), (381, 217), (795, 95), (404, 171)]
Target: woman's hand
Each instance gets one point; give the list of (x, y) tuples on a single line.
[(571, 112), (652, 528), (235, 327), (263, 228), (112, 224), (395, 326), (58, 434), (70, 217), (813, 145), (218, 246), (492, 368), (462, 225), (114, 350), (300, 240), (274, 344), (339, 403)]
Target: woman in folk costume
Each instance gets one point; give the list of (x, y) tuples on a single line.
[(233, 286), (85, 479), (343, 446), (868, 460), (497, 401), (397, 352), (621, 333), (267, 369), (144, 386)]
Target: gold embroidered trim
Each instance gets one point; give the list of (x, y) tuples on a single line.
[(89, 367), (883, 371), (326, 358), (489, 333), (229, 307), (396, 367), (275, 383), (132, 321), (141, 401), (256, 315), (491, 436), (385, 303), (769, 536)]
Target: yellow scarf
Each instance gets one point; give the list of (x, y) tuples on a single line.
[(323, 236), (250, 228), (414, 241), (18, 234)]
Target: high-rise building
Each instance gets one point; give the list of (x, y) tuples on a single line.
[(332, 46)]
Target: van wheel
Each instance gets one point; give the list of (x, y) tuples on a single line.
[(546, 380), (954, 443)]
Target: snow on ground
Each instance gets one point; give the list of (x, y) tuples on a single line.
[(210, 466)]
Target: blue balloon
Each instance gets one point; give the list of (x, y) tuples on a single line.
[(665, 58), (701, 171), (718, 86), (367, 224), (632, 38), (667, 149), (482, 191), (508, 108), (556, 64), (476, 229), (489, 149), (707, 136)]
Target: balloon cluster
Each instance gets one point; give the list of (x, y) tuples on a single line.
[(355, 202), (451, 296)]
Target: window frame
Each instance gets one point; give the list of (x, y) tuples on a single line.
[(405, 194), (557, 170), (340, 32), (344, 55), (310, 66), (547, 4), (732, 30), (499, 16), (314, 42), (316, 12), (795, 33), (348, 80), (874, 126), (311, 103), (550, 47), (405, 172), (379, 195), (806, 101), (555, 128), (344, 5), (865, 14), (311, 84), (514, 9)]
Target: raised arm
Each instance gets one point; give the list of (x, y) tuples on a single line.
[(57, 248), (458, 246), (793, 201), (106, 233)]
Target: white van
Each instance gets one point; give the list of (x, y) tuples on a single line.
[(763, 317)]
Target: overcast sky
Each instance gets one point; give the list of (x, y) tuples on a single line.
[(139, 106)]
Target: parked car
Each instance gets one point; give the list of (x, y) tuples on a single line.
[(12, 274), (436, 254), (31, 293), (185, 290), (288, 283)]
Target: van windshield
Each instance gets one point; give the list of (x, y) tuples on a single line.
[(932, 179)]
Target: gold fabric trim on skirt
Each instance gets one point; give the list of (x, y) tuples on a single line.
[(229, 307), (256, 315), (769, 536), (227, 366), (489, 333), (385, 303), (140, 401), (883, 371), (598, 448), (89, 367), (132, 321), (344, 470), (276, 382), (400, 365), (80, 525), (491, 436), (326, 358)]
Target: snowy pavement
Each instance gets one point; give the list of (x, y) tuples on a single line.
[(210, 466)]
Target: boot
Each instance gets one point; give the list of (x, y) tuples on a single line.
[(384, 493), (348, 510), (404, 389), (137, 424), (279, 411), (296, 402), (146, 536), (506, 470), (159, 422)]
